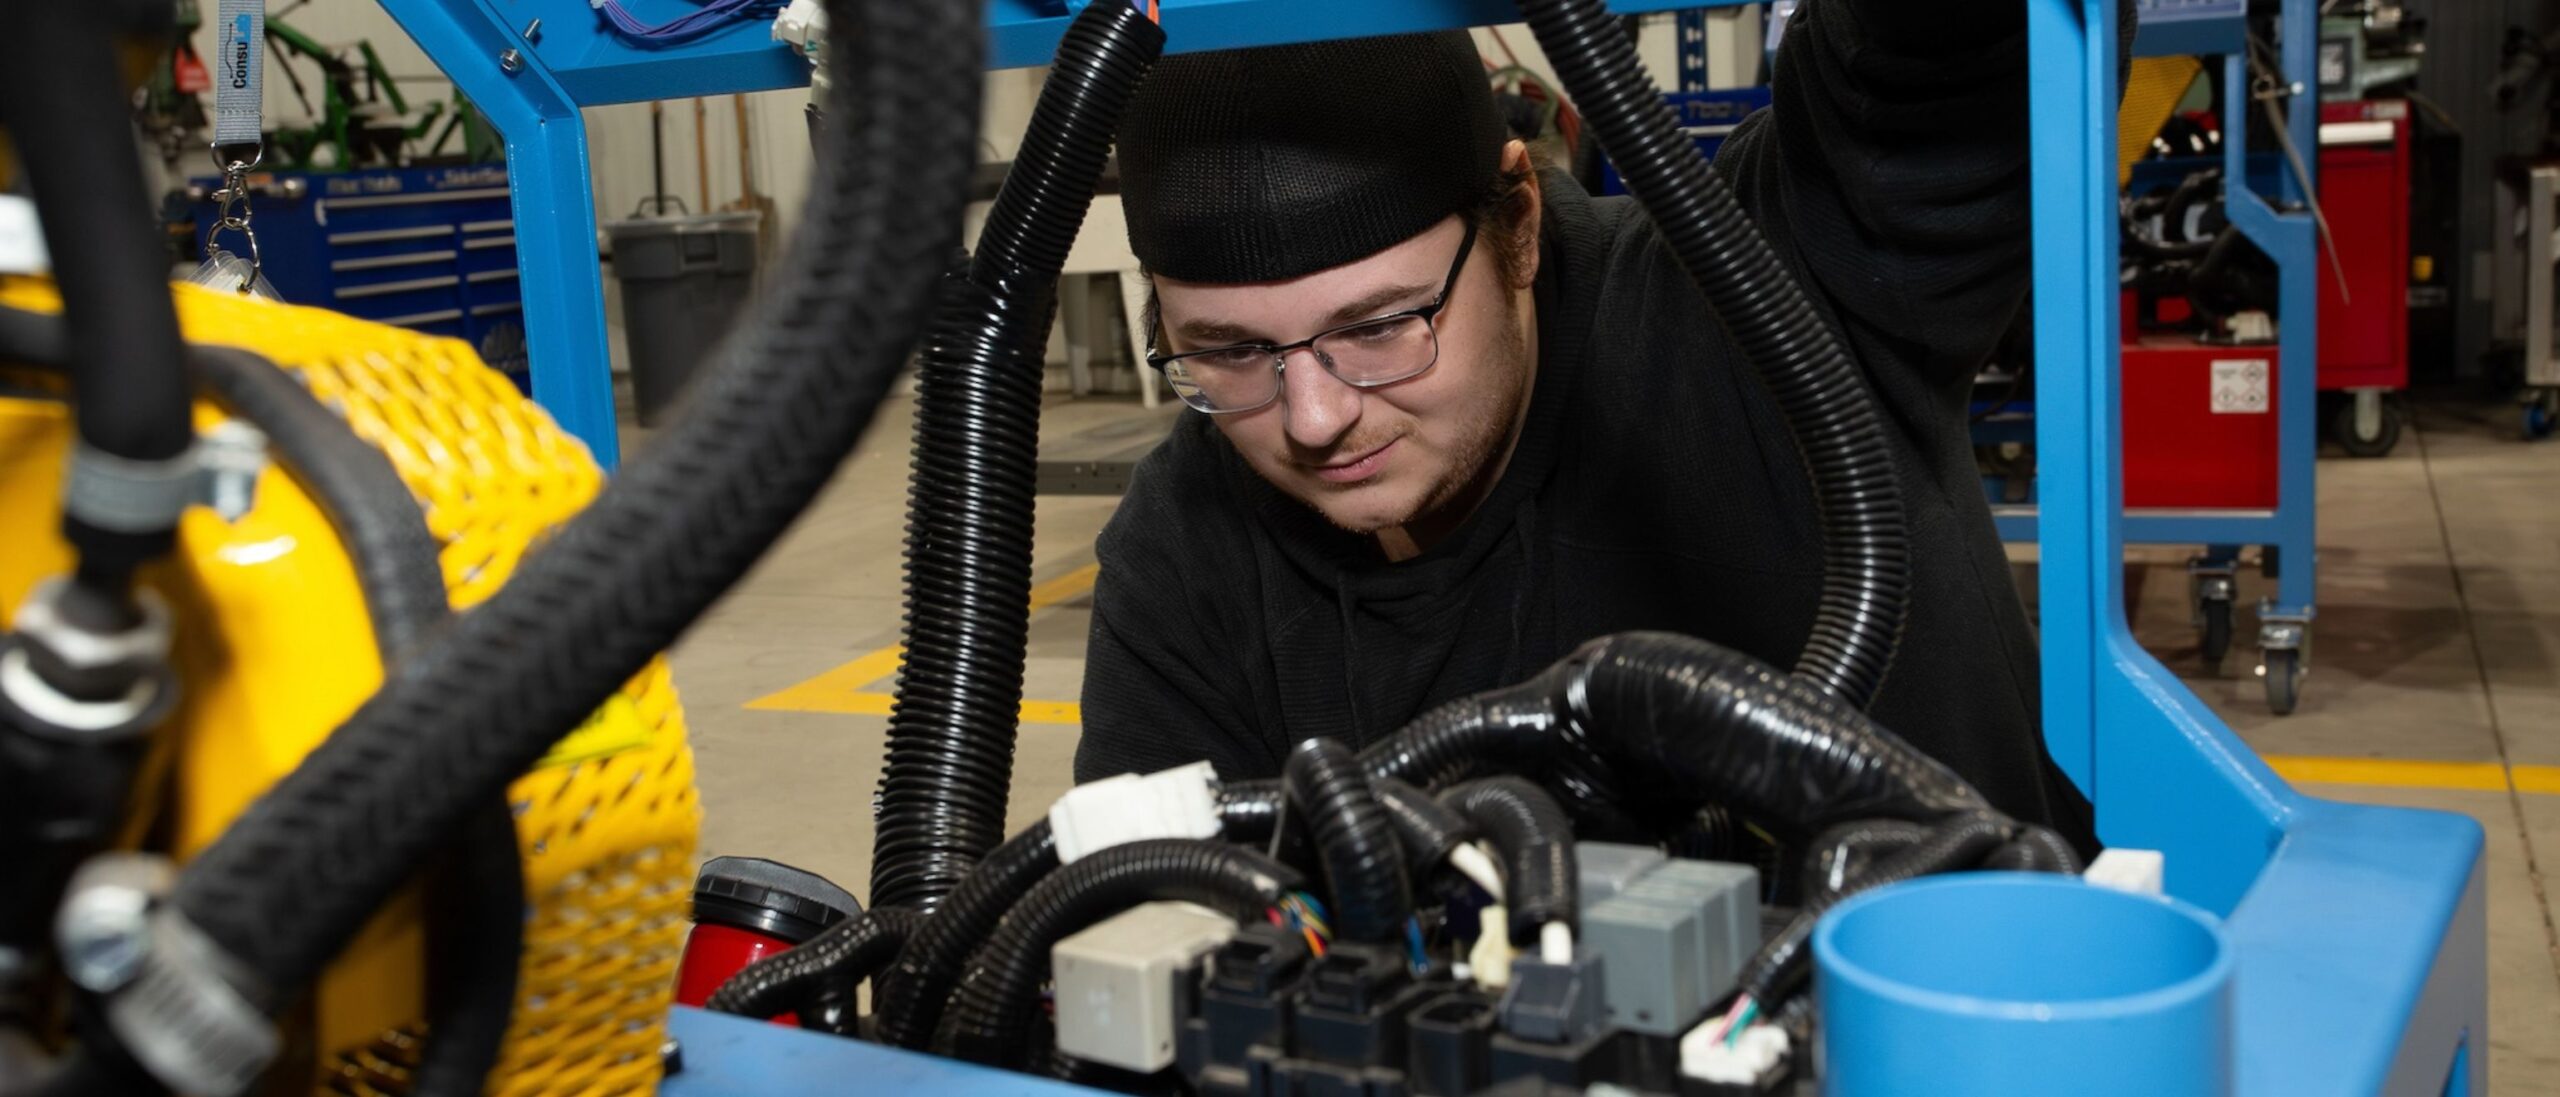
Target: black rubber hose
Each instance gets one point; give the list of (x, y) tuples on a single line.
[(784, 398), (1249, 811), (1845, 852), (1426, 828), (1001, 997), (1688, 723), (848, 952), (1355, 838), (1541, 882), (970, 500), (475, 948), (1781, 963), (64, 107), (911, 995), (1799, 358)]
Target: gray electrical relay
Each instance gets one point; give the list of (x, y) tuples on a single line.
[(1125, 984), (1673, 934)]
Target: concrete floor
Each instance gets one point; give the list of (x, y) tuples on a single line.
[(2438, 640)]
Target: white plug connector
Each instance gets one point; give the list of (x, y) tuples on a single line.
[(1490, 957), (2140, 871), (1753, 1060), (1181, 802)]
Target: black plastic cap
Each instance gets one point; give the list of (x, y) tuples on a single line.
[(769, 897)]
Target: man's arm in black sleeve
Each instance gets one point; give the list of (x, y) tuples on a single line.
[(1895, 158)]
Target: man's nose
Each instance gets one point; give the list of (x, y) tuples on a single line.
[(1320, 409)]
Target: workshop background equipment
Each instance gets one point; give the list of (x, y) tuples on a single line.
[(684, 279)]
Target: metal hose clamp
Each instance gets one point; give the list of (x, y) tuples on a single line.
[(129, 496), (187, 1011)]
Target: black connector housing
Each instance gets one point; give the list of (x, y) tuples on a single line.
[(1243, 1003)]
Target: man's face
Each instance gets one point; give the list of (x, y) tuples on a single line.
[(1372, 459)]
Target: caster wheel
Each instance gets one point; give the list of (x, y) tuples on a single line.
[(2384, 436), (2540, 416), (2216, 641), (2283, 674)]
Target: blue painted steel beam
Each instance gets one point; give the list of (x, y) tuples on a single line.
[(554, 207)]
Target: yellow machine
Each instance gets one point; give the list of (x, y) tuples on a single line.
[(275, 649)]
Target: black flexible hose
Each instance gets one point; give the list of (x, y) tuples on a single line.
[(1249, 811), (1541, 881), (1687, 722), (848, 952), (1845, 852), (475, 948), (786, 396), (1781, 963), (1426, 828), (1802, 361), (912, 993), (969, 504), (1001, 996), (1355, 838), (63, 105)]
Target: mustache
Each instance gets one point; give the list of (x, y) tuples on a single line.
[(1358, 446)]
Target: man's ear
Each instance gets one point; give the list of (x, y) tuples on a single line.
[(1526, 207)]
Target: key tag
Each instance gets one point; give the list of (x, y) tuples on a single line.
[(230, 273)]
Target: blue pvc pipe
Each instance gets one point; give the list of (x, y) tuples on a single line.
[(2001, 984)]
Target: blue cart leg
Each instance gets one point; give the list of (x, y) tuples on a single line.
[(555, 217)]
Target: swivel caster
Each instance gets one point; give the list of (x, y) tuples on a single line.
[(2282, 671), (2210, 590), (2215, 642), (2367, 424)]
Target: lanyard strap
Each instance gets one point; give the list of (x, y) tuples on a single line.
[(242, 68)]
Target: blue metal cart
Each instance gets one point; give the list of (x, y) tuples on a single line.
[(2359, 930), (2284, 535)]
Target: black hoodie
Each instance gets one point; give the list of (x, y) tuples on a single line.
[(1654, 485)]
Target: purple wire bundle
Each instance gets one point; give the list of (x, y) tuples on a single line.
[(714, 15)]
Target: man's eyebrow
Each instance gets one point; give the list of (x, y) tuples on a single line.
[(1206, 333)]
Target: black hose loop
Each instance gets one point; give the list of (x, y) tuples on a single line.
[(1426, 828), (1542, 882), (1355, 838), (787, 394), (844, 954), (914, 991), (970, 500), (1806, 368), (999, 999)]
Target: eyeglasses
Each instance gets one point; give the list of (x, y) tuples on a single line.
[(1378, 351)]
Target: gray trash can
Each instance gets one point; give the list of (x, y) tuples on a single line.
[(684, 279)]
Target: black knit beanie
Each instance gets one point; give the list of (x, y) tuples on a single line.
[(1263, 164)]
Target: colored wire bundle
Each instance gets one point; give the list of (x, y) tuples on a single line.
[(714, 15)]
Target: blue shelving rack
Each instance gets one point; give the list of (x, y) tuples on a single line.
[(2360, 931)]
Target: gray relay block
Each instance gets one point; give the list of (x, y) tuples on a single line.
[(1731, 894), (1124, 985), (1606, 868), (1650, 949)]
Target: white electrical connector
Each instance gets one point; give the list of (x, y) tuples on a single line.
[(1181, 802), (1476, 865), (802, 26), (1754, 1059), (1555, 943), (2140, 871), (1490, 958)]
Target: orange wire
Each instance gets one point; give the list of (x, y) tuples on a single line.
[(1313, 942)]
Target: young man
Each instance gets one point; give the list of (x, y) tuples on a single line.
[(1458, 417)]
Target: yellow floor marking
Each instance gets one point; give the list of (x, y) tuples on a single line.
[(848, 688), (2404, 773)]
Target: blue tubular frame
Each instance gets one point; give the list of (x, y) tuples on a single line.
[(2360, 931), (2291, 239)]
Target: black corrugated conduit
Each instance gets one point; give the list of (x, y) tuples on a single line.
[(969, 503), (1780, 965), (913, 992), (787, 395), (1000, 998), (1426, 828), (1355, 840), (847, 953), (1801, 360), (1541, 883)]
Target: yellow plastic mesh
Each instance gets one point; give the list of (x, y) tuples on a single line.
[(2151, 96), (607, 823)]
